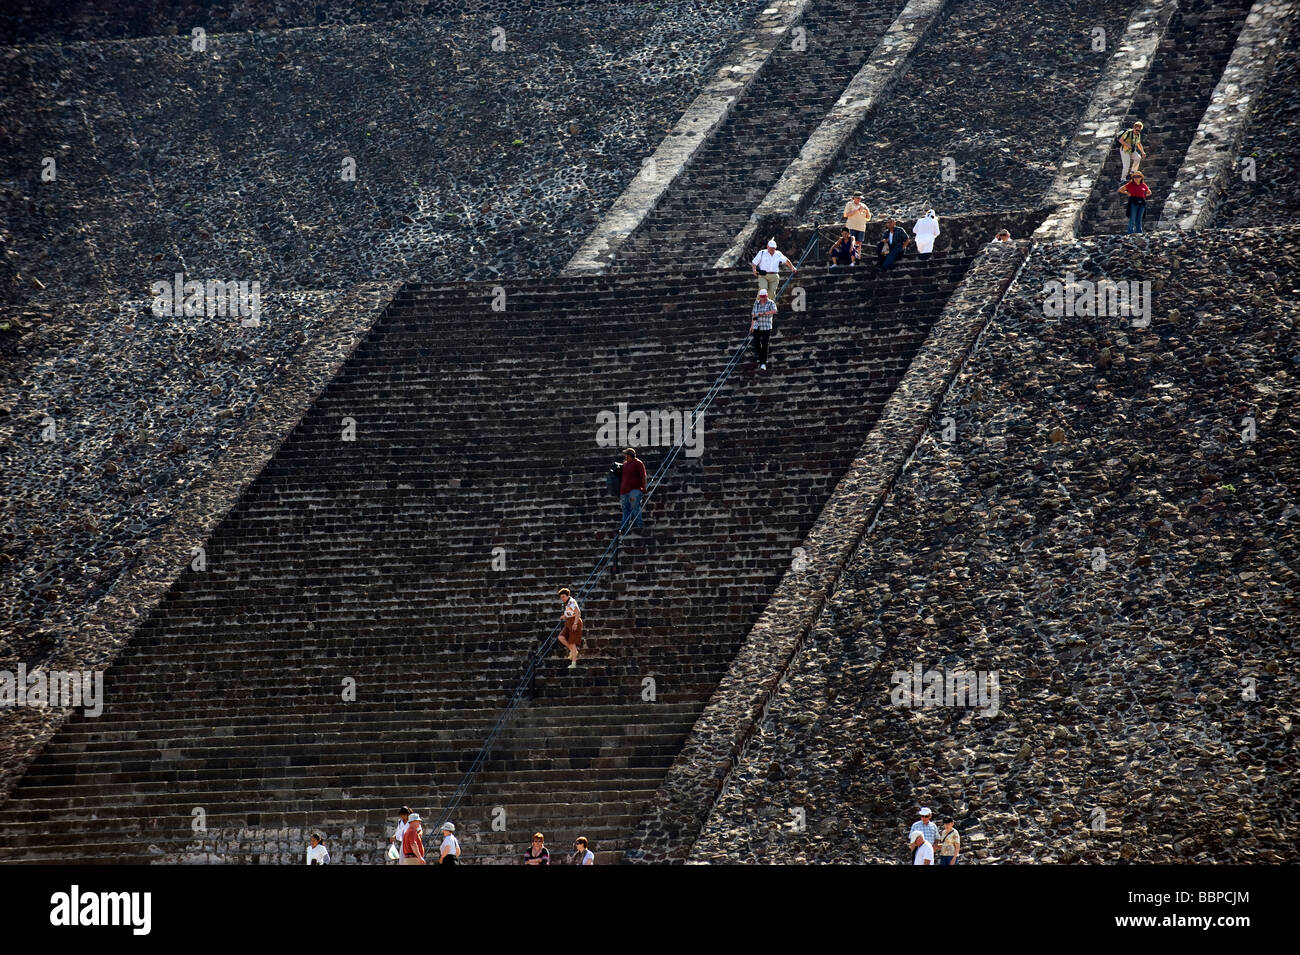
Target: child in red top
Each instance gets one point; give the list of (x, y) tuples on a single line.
[(1137, 191)]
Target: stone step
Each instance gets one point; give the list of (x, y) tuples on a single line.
[(351, 562)]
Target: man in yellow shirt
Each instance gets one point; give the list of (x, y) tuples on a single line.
[(858, 215)]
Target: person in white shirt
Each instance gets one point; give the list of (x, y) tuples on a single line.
[(925, 232), (403, 817), (924, 851), (766, 267), (449, 852), (581, 854), (317, 854)]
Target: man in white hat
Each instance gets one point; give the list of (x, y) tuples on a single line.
[(449, 853), (412, 844), (925, 827), (766, 267), (760, 324)]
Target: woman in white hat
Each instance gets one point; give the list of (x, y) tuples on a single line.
[(449, 854), (925, 232)]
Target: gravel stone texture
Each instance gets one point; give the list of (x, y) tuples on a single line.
[(229, 163), (105, 423), (1002, 102), (54, 21), (1148, 700), (1272, 141)]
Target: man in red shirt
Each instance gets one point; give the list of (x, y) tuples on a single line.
[(632, 488), (412, 844)]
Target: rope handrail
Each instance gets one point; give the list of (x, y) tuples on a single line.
[(606, 558)]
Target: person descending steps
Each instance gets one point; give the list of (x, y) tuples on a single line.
[(571, 635)]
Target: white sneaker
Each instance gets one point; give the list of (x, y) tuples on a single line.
[(762, 367)]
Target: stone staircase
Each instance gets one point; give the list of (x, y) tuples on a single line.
[(1187, 66), (765, 130), (350, 645)]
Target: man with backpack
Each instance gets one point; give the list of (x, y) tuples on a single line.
[(1131, 152)]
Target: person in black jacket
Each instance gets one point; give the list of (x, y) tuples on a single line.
[(892, 243)]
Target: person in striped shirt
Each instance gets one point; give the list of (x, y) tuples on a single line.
[(760, 323)]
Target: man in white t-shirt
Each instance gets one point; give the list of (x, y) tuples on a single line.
[(924, 851), (403, 815), (766, 267)]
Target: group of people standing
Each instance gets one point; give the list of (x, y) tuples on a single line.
[(925, 838), (767, 264), (538, 854), (412, 849), (406, 847), (894, 240)]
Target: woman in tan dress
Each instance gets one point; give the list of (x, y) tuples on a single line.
[(571, 635)]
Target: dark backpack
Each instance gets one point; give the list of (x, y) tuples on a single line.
[(614, 479)]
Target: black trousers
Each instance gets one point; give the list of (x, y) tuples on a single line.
[(761, 339)]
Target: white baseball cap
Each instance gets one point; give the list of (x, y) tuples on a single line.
[(762, 293), (771, 243), (413, 817), (925, 811)]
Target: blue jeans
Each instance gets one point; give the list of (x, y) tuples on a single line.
[(631, 508), (1135, 214), (891, 258), (946, 860)]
